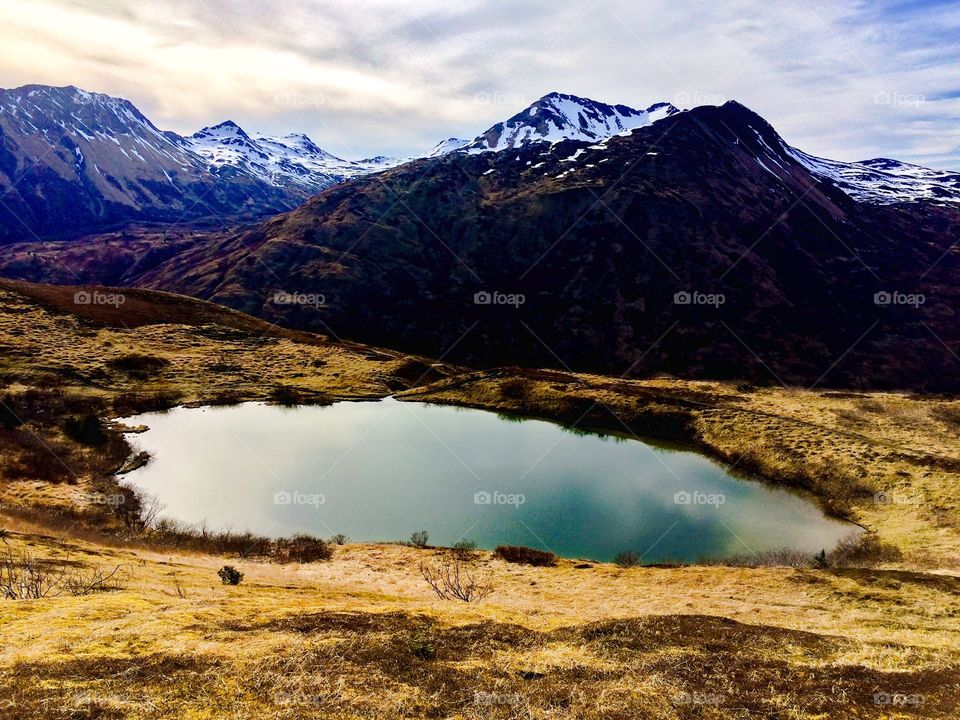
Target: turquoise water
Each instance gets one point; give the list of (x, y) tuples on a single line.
[(382, 470)]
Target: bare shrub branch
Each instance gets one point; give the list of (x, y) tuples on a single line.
[(452, 580)]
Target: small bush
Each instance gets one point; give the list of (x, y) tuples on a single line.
[(862, 550), (465, 550), (516, 388), (225, 397), (136, 509), (229, 575), (525, 555), (138, 366), (339, 539), (419, 539), (451, 580), (25, 577), (627, 559), (302, 549), (134, 403), (288, 396), (422, 648), (94, 580), (87, 430)]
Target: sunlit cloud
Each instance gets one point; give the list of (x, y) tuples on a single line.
[(846, 80)]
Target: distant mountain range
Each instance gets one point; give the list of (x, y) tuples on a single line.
[(696, 242), (74, 162)]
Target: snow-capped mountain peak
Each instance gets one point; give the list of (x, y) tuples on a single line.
[(445, 146), (558, 116)]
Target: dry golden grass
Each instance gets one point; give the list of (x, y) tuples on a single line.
[(362, 635)]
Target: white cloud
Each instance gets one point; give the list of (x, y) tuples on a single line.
[(846, 80)]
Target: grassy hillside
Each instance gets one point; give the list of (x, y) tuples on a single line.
[(139, 626)]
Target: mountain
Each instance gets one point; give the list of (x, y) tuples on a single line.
[(71, 160), (701, 245), (74, 162), (557, 117), (445, 146), (884, 181), (291, 161)]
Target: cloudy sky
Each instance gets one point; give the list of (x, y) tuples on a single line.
[(842, 79)]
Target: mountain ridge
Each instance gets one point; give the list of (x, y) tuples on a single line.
[(74, 162)]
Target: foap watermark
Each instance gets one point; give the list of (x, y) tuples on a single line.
[(895, 497), (886, 97), (899, 699), (296, 698), (886, 298), (113, 500), (487, 699), (499, 98), (285, 497), (698, 498), (498, 498), (686, 99), (282, 297), (299, 100), (686, 297), (95, 297), (697, 698), (498, 298)]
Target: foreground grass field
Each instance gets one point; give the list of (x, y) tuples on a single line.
[(362, 634)]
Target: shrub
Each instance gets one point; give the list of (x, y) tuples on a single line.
[(25, 577), (134, 403), (139, 366), (302, 549), (465, 549), (94, 580), (87, 430), (287, 395), (136, 509), (225, 397), (229, 575), (525, 555), (516, 388), (419, 539), (862, 550), (422, 648), (451, 580), (340, 539), (627, 559)]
